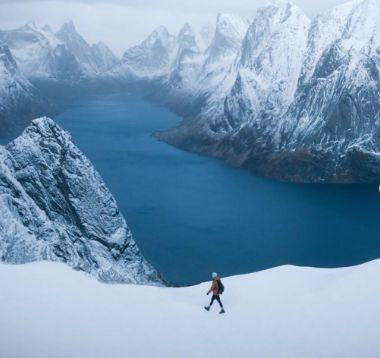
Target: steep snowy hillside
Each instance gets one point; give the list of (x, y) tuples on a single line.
[(300, 103), (181, 80), (40, 54), (63, 56), (94, 59), (19, 100), (153, 57), (269, 66), (103, 57), (219, 68), (287, 312), (200, 80), (205, 36), (337, 105), (54, 206)]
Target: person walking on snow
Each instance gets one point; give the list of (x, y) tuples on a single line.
[(217, 289)]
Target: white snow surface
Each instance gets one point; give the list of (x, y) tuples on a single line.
[(49, 310)]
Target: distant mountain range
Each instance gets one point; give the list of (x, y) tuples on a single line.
[(61, 56), (30, 56), (287, 97)]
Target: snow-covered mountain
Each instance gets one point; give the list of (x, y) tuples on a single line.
[(300, 101), (163, 56), (335, 117), (269, 66), (153, 57), (19, 99), (103, 57), (94, 59), (201, 78), (40, 55), (63, 56), (54, 206)]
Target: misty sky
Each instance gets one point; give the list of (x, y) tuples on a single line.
[(122, 23)]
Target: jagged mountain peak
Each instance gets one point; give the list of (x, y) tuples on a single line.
[(280, 8), (69, 34), (103, 56), (152, 57), (45, 127), (47, 28), (160, 32), (19, 99), (205, 36), (186, 38), (363, 23), (67, 27), (186, 31), (269, 66), (101, 44), (229, 33), (6, 58), (30, 26), (63, 210), (273, 24), (231, 26), (160, 35)]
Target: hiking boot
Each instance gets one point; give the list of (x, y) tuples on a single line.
[(222, 311), (207, 308)]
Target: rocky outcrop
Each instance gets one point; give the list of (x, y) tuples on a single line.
[(54, 206)]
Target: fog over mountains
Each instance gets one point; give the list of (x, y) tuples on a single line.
[(61, 56), (285, 96)]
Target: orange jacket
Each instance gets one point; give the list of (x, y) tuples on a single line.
[(214, 287)]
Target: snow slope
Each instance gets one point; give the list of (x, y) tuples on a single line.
[(200, 79), (153, 56), (48, 310)]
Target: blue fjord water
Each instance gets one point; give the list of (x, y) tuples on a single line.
[(192, 215)]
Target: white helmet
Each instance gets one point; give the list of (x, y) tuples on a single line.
[(214, 275)]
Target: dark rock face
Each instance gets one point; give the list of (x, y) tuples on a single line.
[(54, 206)]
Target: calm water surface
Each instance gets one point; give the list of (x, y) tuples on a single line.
[(192, 215)]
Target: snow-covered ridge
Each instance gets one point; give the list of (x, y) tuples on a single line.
[(19, 99), (299, 101), (280, 313), (63, 56), (55, 206)]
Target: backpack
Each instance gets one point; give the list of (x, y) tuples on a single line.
[(220, 287)]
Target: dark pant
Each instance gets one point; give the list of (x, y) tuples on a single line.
[(215, 297)]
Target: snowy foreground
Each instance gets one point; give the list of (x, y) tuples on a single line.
[(49, 310)]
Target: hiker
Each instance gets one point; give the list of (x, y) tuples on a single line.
[(217, 289)]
